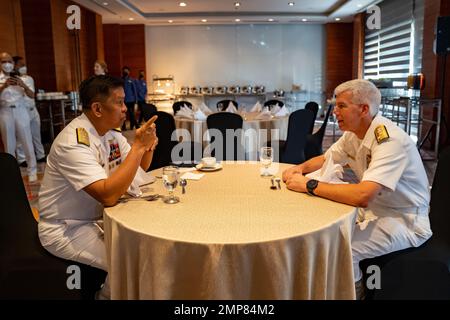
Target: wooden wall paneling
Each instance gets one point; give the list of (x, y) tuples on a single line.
[(358, 45), (11, 35), (339, 55), (113, 48), (133, 47), (38, 38), (99, 37)]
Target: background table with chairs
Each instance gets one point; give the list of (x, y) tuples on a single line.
[(198, 128), (230, 237)]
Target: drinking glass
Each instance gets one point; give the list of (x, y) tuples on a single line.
[(266, 158), (170, 180)]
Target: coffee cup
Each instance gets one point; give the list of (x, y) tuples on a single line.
[(209, 162)]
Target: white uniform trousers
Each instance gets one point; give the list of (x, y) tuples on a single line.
[(390, 232), (15, 127), (35, 126), (81, 242)]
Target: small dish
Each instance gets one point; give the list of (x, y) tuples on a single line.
[(201, 167)]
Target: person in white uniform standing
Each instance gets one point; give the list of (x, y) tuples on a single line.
[(90, 166), (35, 119), (392, 195), (14, 119)]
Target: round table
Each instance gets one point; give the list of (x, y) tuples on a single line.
[(230, 237), (257, 131)]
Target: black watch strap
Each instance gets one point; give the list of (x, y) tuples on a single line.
[(311, 185)]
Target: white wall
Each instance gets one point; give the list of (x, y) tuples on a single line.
[(275, 56)]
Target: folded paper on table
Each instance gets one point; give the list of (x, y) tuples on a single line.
[(257, 107), (192, 176)]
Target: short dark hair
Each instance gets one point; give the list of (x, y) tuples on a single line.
[(97, 88), (17, 59)]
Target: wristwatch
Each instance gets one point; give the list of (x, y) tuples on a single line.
[(311, 185)]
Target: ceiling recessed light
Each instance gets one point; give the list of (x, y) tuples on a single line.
[(270, 20), (304, 20), (183, 4), (338, 19), (237, 4), (359, 5), (204, 20), (105, 3), (131, 19), (170, 21), (237, 20), (291, 3)]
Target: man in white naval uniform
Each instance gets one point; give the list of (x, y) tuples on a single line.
[(14, 119), (90, 166), (35, 119), (393, 193)]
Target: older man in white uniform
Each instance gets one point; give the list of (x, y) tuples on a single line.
[(392, 194), (14, 119), (90, 166)]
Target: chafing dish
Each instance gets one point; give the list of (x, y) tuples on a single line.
[(207, 90), (259, 89), (220, 90), (234, 90), (246, 89), (195, 90), (184, 90)]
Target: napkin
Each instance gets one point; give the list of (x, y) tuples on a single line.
[(140, 179), (192, 176), (257, 107), (275, 109), (329, 173), (204, 108), (199, 115), (282, 112), (231, 108), (185, 112)]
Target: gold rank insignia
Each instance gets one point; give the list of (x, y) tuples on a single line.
[(82, 137), (118, 129), (381, 133)]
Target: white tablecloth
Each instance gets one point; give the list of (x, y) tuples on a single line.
[(230, 237)]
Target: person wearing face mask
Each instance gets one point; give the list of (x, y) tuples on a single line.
[(130, 97), (14, 120), (35, 120), (100, 68), (141, 88)]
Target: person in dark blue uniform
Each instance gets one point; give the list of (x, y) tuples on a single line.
[(141, 88), (129, 87)]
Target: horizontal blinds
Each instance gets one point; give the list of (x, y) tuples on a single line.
[(387, 51)]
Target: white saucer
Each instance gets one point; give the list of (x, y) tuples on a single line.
[(200, 167)]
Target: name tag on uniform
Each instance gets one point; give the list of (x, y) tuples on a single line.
[(381, 134)]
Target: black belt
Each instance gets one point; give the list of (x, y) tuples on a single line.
[(12, 107)]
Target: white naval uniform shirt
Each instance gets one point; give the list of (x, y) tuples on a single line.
[(29, 102), (12, 95), (395, 164), (71, 166)]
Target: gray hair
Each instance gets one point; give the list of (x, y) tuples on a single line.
[(363, 92)]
